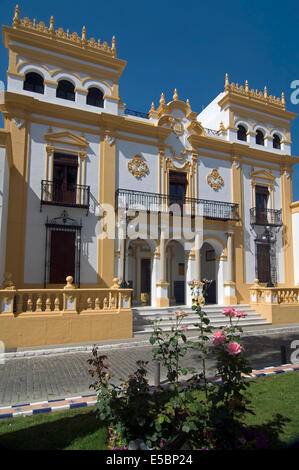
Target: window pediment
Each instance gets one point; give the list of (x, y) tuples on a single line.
[(262, 174), (66, 138)]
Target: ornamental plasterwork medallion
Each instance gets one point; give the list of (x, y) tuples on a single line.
[(215, 180), (138, 167), (177, 127)]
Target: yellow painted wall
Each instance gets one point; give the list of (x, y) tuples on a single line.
[(28, 329)]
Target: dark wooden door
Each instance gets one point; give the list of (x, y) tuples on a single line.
[(177, 188), (146, 275), (261, 201), (179, 292), (65, 178), (62, 256), (263, 262)]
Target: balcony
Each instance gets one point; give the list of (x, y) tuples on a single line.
[(270, 217), (152, 202), (57, 194)]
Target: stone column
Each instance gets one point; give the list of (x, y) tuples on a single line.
[(162, 299), (197, 270), (230, 285)]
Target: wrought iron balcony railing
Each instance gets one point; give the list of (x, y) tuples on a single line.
[(265, 217), (152, 202), (60, 194), (132, 112)]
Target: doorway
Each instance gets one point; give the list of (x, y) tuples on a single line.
[(62, 256), (146, 278)]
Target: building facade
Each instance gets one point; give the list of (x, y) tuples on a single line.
[(118, 199)]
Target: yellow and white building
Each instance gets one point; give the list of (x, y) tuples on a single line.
[(86, 187)]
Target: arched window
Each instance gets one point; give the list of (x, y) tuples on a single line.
[(34, 82), (95, 97), (276, 142), (242, 133), (65, 90), (259, 139)]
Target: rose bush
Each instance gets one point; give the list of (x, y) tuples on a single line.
[(204, 413)]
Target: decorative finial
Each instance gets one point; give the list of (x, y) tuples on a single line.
[(283, 101), (113, 47), (16, 18), (175, 95), (188, 103), (221, 127), (226, 87), (246, 86), (152, 107), (83, 38), (51, 28), (162, 99), (265, 92)]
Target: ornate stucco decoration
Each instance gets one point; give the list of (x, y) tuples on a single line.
[(215, 180), (138, 167)]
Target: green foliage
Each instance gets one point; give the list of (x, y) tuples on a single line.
[(203, 413)]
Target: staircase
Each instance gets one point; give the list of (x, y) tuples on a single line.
[(144, 316)]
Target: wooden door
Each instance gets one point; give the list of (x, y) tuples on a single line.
[(263, 262), (62, 256), (65, 178), (146, 275)]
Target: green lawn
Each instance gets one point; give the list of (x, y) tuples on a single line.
[(79, 429)]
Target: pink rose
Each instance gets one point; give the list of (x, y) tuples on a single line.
[(180, 314), (234, 348), (185, 327), (239, 314), (229, 312), (219, 338)]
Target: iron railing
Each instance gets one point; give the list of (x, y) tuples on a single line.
[(132, 112), (59, 194), (153, 202), (265, 217)]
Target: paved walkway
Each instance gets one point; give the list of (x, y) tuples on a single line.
[(34, 375)]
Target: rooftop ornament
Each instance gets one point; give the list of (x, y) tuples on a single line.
[(253, 94), (61, 35)]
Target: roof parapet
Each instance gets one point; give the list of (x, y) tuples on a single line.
[(60, 34), (263, 97)]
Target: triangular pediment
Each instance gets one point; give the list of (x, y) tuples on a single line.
[(262, 174), (66, 138)]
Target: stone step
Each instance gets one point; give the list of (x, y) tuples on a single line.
[(143, 317)]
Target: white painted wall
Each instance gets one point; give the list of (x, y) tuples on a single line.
[(125, 151), (250, 233), (205, 166), (35, 223), (4, 192)]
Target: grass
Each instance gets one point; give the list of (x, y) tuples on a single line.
[(79, 429)]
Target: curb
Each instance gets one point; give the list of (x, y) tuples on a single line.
[(26, 409), (74, 349)]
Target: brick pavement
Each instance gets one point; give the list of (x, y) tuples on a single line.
[(61, 375)]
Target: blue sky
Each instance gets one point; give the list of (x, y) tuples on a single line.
[(185, 45)]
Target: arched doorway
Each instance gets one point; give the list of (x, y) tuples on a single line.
[(139, 272)]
